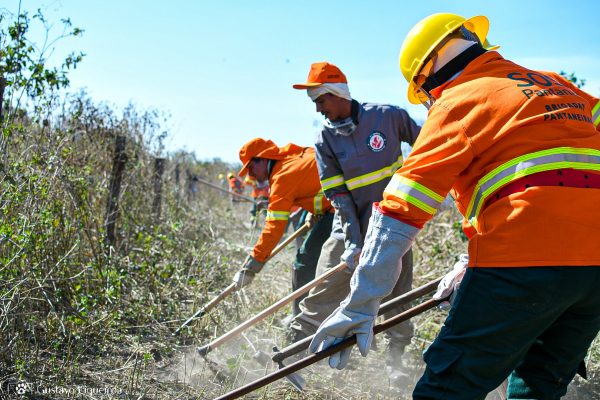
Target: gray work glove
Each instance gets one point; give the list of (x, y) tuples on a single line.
[(246, 274), (378, 270), (353, 239), (449, 284), (351, 256)]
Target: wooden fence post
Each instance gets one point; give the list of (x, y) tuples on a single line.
[(3, 144), (159, 169), (192, 185), (112, 206), (2, 87), (177, 185)]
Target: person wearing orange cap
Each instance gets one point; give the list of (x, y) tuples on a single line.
[(357, 152), (293, 181), (519, 151)]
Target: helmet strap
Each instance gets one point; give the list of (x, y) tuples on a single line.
[(453, 67), (429, 103)]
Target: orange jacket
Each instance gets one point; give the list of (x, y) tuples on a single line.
[(259, 189), (235, 185), (262, 189), (294, 181), (493, 124)]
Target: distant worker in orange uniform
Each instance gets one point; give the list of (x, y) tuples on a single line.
[(519, 151), (260, 194), (235, 187), (293, 181)]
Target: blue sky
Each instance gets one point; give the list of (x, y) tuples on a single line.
[(224, 69)]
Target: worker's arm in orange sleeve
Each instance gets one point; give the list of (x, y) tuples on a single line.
[(278, 214), (442, 151)]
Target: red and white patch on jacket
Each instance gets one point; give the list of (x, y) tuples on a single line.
[(376, 141)]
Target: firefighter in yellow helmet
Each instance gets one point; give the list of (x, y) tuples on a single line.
[(519, 150), (222, 180), (235, 187)]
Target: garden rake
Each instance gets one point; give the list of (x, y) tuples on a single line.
[(313, 358), (280, 355), (263, 359), (204, 350), (240, 196), (231, 288)]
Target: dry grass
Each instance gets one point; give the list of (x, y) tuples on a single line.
[(78, 316), (436, 251)]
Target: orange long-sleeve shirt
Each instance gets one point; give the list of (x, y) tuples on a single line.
[(235, 185), (294, 181), (494, 123)]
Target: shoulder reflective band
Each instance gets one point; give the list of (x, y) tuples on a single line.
[(375, 176), (318, 203), (545, 160), (362, 180), (596, 114), (414, 193), (332, 182), (277, 215)]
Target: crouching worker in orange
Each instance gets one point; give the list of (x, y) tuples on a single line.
[(293, 181), (519, 151)]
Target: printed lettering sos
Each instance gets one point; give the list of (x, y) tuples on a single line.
[(532, 78)]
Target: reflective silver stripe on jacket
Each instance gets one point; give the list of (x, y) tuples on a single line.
[(375, 176), (332, 182), (596, 114), (277, 215), (539, 161), (414, 193), (318, 203)]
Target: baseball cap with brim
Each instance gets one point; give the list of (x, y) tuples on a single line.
[(262, 148), (254, 148), (320, 73)]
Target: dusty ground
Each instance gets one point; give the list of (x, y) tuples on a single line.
[(231, 365)]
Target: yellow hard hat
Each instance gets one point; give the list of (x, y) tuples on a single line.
[(230, 175), (221, 176), (423, 39)]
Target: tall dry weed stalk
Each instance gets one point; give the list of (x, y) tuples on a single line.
[(70, 304)]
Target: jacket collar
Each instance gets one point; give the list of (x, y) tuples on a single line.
[(476, 63)]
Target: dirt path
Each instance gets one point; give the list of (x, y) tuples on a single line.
[(232, 364)]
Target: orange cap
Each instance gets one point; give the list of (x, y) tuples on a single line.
[(255, 148), (320, 73), (263, 148)]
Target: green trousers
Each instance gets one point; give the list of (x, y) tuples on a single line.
[(533, 325), (307, 256)]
